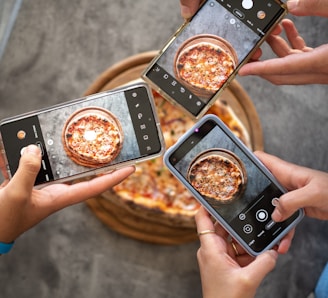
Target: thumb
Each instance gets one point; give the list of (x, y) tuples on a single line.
[(28, 169), (261, 266), (188, 8), (289, 203), (308, 7)]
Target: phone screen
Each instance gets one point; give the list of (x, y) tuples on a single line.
[(74, 138), (238, 190), (201, 58)]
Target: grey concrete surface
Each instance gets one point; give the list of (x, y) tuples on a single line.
[(8, 14), (56, 50)]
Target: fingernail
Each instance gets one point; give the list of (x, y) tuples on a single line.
[(273, 253), (275, 202), (292, 4), (185, 12), (32, 149), (276, 215)]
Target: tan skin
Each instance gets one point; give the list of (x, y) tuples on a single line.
[(296, 63), (307, 188), (22, 206), (222, 269)]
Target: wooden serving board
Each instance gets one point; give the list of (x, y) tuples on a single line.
[(128, 222)]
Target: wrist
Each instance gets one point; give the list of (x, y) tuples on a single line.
[(5, 247)]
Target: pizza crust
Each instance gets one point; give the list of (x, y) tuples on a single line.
[(224, 111), (145, 209)]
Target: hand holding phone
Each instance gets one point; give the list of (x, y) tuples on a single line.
[(22, 207), (86, 136), (205, 54), (231, 183)]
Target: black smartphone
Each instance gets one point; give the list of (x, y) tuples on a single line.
[(206, 52), (86, 136), (231, 183)]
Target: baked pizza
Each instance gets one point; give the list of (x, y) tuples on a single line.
[(152, 188), (92, 137), (217, 174), (205, 65)]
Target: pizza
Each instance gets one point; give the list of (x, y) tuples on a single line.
[(152, 189), (204, 65), (92, 137), (222, 109), (152, 185), (217, 174)]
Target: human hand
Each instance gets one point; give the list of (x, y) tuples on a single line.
[(22, 206), (297, 63), (308, 7), (224, 273), (189, 7), (307, 189)]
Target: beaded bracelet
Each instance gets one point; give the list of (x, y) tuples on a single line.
[(5, 247)]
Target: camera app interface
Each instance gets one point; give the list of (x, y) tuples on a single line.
[(238, 190), (82, 136), (205, 54)]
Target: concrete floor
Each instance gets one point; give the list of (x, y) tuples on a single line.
[(56, 50)]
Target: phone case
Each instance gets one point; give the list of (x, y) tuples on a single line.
[(245, 214), (127, 131), (171, 76)]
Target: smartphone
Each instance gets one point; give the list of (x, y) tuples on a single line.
[(231, 183), (206, 52), (86, 136)]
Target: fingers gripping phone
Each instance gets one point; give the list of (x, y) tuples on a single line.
[(87, 136), (205, 54), (231, 183)]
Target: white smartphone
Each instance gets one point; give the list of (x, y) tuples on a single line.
[(206, 52), (86, 136), (231, 183)]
